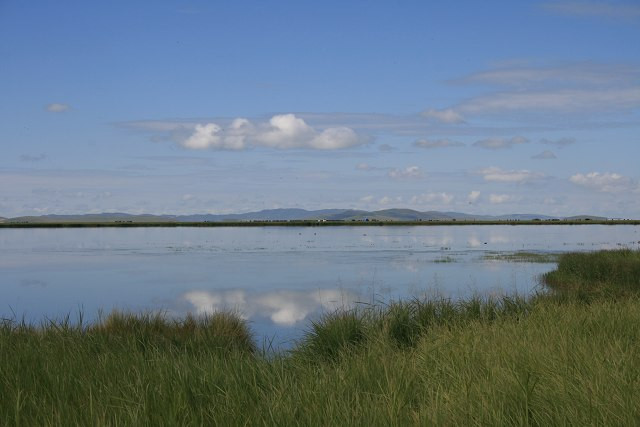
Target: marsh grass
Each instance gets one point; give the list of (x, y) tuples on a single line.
[(589, 275), (444, 260), (510, 361), (223, 332)]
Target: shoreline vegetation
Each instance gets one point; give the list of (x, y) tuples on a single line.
[(307, 223), (567, 355)]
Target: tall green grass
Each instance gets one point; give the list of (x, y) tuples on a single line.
[(613, 273), (511, 361)]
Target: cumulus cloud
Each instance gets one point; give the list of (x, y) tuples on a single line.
[(284, 131), (437, 143), (497, 199), (473, 196), (496, 174), (438, 198), (408, 172), (562, 142), (545, 155), (204, 136), (500, 143), (448, 116), (57, 108), (606, 182)]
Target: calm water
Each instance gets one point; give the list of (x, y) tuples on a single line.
[(277, 277)]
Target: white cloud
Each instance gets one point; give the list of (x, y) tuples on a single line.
[(561, 101), (408, 172), (285, 131), (500, 143), (335, 139), (385, 200), (366, 199), (545, 155), (57, 108), (473, 196), (562, 142), (437, 143), (585, 87), (606, 182), (582, 74), (594, 8), (497, 199), (439, 198), (495, 174), (448, 116), (205, 136)]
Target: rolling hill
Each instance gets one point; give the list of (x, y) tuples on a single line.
[(289, 215)]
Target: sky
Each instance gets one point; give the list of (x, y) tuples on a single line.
[(182, 107)]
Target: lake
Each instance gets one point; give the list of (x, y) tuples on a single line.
[(277, 277)]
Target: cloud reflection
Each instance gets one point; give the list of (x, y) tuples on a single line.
[(282, 307)]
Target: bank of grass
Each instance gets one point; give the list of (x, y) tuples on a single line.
[(593, 275), (558, 358)]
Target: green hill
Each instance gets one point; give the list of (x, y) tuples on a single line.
[(292, 215)]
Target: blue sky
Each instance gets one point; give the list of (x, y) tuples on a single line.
[(196, 106)]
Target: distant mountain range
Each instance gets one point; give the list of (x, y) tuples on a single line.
[(293, 215)]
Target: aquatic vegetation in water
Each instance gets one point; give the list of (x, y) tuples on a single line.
[(522, 256), (444, 259)]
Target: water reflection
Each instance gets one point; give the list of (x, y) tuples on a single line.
[(282, 307)]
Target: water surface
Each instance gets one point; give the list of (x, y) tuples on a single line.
[(277, 277)]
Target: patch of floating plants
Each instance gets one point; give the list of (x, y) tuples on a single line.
[(522, 256)]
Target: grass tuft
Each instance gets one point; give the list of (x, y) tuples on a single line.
[(333, 334), (221, 331)]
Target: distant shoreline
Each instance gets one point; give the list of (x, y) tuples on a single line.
[(306, 223)]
